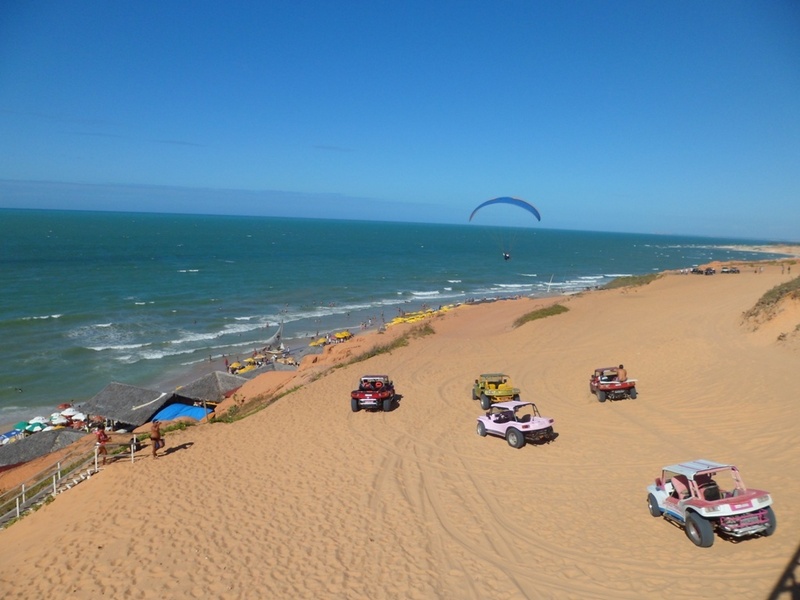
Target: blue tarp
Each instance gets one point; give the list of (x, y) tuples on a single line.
[(174, 411), (10, 435)]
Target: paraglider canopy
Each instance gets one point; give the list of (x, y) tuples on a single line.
[(509, 200), (506, 235)]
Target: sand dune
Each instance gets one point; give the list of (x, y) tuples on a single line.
[(306, 499)]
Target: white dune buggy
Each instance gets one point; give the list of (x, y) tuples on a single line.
[(703, 496)]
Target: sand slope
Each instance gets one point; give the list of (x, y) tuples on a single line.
[(309, 500)]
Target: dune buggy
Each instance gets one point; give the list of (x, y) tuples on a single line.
[(374, 392), (493, 387), (704, 497), (517, 422), (605, 384)]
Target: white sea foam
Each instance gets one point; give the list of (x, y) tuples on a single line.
[(190, 337), (513, 286), (424, 294), (116, 347)]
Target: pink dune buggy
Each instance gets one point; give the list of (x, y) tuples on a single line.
[(517, 422)]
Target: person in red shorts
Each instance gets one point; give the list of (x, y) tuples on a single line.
[(102, 438)]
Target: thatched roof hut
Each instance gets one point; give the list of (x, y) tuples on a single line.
[(128, 404), (36, 445), (211, 388)]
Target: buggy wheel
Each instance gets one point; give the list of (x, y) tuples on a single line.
[(601, 396), (773, 523), (486, 404), (515, 438), (481, 429), (652, 506), (632, 393), (699, 530), (387, 404), (354, 405)]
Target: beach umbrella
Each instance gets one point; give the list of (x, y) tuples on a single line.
[(57, 419), (38, 420), (34, 427), (78, 416), (21, 425), (250, 361), (235, 365), (68, 412)]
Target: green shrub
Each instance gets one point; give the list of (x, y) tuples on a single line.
[(767, 302), (548, 311), (630, 281)]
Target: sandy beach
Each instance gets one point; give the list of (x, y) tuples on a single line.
[(306, 499)]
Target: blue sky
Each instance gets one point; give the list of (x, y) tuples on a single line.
[(654, 117)]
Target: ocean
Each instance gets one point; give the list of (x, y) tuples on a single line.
[(94, 297)]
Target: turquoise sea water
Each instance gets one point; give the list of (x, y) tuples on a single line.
[(89, 298)]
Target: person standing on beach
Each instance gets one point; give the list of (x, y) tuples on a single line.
[(155, 437), (102, 438)]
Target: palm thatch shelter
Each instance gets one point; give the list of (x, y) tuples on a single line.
[(210, 389), (128, 405), (37, 445)]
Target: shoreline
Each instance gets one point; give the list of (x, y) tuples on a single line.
[(790, 250), (169, 382), (153, 370)]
